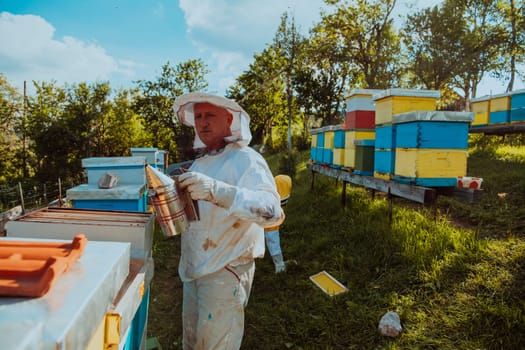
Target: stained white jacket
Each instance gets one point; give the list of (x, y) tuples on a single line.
[(231, 236)]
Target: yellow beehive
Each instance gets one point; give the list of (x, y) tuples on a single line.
[(349, 157), (314, 140), (481, 109), (395, 101), (358, 134), (499, 103), (430, 163), (329, 139), (339, 156)]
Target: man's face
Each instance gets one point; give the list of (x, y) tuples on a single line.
[(212, 124)]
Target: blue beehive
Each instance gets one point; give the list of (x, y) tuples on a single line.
[(384, 162), (431, 147), (432, 129), (385, 136), (131, 197), (339, 138), (150, 153), (129, 170), (517, 106), (129, 193)]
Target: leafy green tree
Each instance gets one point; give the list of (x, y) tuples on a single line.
[(125, 128), (432, 38), (513, 55), (481, 45), (51, 137), (365, 33), (11, 112), (289, 42), (155, 100), (322, 80), (260, 90)]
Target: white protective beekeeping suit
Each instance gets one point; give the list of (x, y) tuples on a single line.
[(226, 238)]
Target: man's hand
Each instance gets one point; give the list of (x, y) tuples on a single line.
[(203, 187), (199, 185)]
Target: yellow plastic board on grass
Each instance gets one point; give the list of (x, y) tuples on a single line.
[(328, 284)]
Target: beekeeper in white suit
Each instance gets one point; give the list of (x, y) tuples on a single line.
[(237, 198)]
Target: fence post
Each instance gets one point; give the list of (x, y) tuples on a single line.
[(21, 198), (59, 193)]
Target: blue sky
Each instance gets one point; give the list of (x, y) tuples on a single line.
[(122, 41)]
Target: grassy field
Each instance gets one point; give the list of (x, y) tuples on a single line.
[(455, 274)]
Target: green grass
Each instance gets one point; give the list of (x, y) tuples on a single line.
[(455, 275)]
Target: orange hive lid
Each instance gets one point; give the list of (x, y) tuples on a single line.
[(30, 268)]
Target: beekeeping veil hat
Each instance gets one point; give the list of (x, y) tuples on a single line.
[(240, 127)]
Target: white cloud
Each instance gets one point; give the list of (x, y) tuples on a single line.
[(231, 31), (42, 57)]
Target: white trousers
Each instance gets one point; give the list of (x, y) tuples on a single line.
[(213, 308)]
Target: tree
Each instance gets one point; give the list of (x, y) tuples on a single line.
[(50, 135), (155, 100), (433, 39), (261, 92), (365, 32), (11, 107), (514, 53), (288, 42)]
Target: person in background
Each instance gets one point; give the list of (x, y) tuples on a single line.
[(237, 198), (271, 234)]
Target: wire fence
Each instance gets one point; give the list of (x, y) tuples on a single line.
[(30, 195)]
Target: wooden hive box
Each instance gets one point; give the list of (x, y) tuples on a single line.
[(432, 129), (364, 157), (481, 108), (385, 136), (517, 106), (430, 167), (384, 163), (396, 101), (499, 109)]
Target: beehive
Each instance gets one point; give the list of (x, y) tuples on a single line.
[(339, 157), (481, 108), (384, 163), (430, 167), (150, 153), (129, 170), (385, 136), (349, 158), (395, 101), (364, 157), (499, 109), (431, 147), (317, 145), (358, 134), (350, 149), (517, 106), (432, 129), (339, 145), (361, 100), (130, 197)]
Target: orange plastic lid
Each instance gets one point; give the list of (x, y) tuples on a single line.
[(30, 268)]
